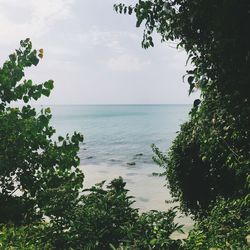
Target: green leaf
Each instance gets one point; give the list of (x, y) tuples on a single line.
[(130, 10), (25, 99), (46, 92), (60, 138), (190, 80), (49, 84)]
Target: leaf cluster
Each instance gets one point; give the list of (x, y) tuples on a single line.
[(226, 227), (102, 219), (36, 173)]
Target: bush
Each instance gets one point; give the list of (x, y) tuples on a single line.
[(153, 230), (103, 219), (226, 227), (100, 217), (209, 157), (23, 238)]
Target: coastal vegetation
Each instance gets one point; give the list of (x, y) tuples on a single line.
[(43, 203), (207, 167)]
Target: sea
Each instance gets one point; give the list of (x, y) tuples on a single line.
[(118, 142)]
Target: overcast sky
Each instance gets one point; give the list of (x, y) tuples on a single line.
[(93, 54)]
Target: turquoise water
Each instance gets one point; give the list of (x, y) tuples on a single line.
[(118, 134)]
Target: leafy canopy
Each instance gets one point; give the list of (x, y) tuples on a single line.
[(36, 173), (210, 156)]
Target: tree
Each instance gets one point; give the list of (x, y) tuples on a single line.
[(210, 156), (38, 177)]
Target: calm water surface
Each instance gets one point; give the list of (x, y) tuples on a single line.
[(116, 134)]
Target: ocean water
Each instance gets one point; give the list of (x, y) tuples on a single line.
[(115, 135)]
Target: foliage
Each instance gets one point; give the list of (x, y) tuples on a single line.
[(210, 32), (22, 238), (205, 162), (38, 177), (226, 227), (153, 230), (210, 156), (103, 219), (100, 217)]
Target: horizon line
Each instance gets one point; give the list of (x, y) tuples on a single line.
[(107, 104)]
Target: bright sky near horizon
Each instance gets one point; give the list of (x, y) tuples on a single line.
[(93, 54)]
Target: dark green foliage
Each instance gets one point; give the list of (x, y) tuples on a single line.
[(180, 173), (226, 227), (211, 155), (153, 230), (36, 173), (202, 165), (103, 219), (210, 31), (100, 217), (23, 238)]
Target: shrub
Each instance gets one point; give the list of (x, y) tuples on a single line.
[(23, 238), (226, 227)]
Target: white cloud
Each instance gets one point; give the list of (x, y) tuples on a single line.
[(109, 39), (32, 18), (126, 63)]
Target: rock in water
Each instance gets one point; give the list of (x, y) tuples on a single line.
[(132, 163)]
